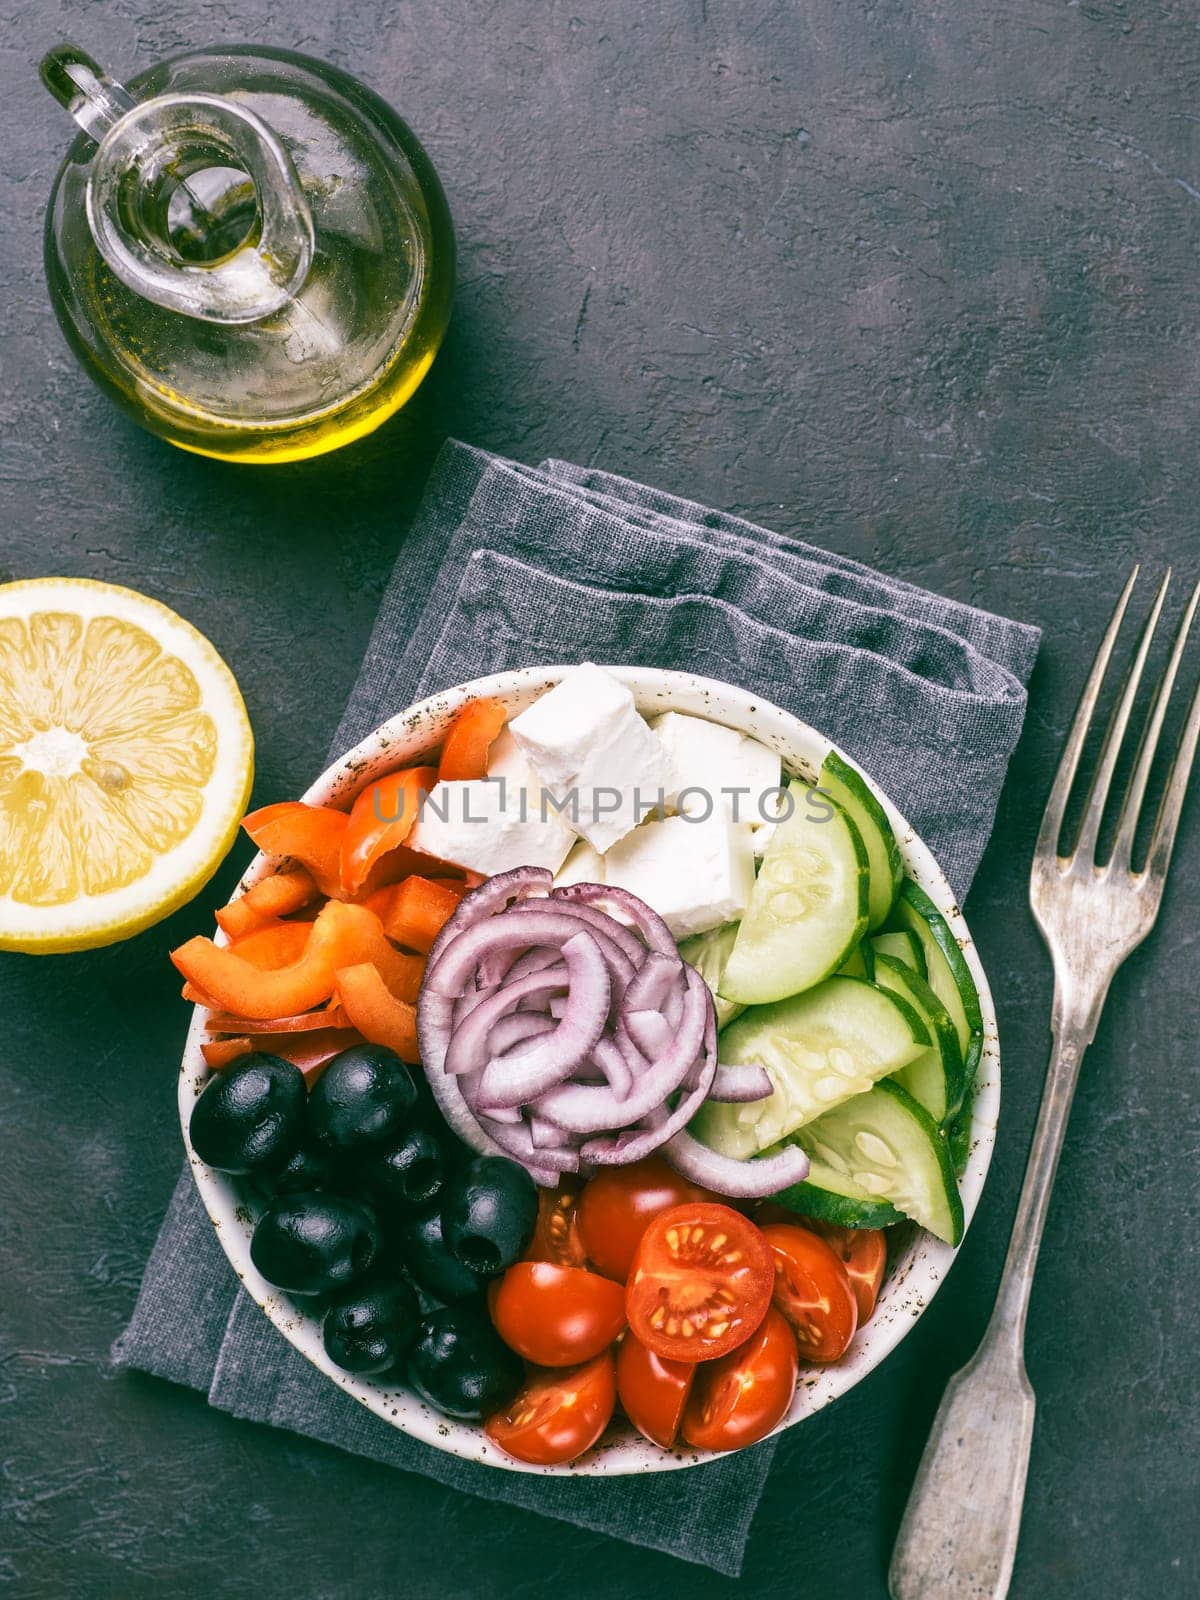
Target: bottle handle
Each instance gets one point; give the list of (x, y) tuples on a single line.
[(139, 143)]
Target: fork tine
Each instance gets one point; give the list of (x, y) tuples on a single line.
[(1110, 751), (1056, 805), (1131, 806), (1167, 821)]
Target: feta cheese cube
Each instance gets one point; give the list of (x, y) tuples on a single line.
[(763, 832), (591, 748), (701, 755), (760, 771), (489, 827), (716, 768), (585, 864), (696, 873), (507, 760)]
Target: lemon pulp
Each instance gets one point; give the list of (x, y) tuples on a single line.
[(125, 763)]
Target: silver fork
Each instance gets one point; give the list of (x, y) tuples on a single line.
[(959, 1534)]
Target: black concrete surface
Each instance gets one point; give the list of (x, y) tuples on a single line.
[(918, 281)]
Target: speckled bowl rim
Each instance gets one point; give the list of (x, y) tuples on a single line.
[(914, 1275)]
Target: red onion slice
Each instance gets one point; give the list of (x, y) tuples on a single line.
[(740, 1180), (544, 1135), (468, 1048), (488, 899), (659, 1126), (518, 1141), (528, 987), (673, 1006), (508, 1114), (647, 921), (532, 961), (735, 1084), (432, 1029), (635, 1143), (578, 1109), (628, 943), (451, 973), (518, 1080), (467, 1002), (622, 968), (513, 1029), (649, 1030), (656, 978), (434, 1020), (615, 1068)]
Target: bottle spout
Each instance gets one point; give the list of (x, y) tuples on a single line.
[(80, 84)]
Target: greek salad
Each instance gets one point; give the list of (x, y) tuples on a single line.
[(585, 1067)]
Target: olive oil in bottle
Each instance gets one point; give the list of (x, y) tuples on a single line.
[(248, 250)]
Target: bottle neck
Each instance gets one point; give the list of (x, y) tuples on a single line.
[(192, 199)]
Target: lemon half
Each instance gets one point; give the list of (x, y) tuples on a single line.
[(126, 760)]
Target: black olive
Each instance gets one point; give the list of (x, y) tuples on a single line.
[(407, 1176), (363, 1098), (489, 1212), (250, 1117), (423, 1251), (306, 1168), (372, 1328), (310, 1243), (461, 1365)]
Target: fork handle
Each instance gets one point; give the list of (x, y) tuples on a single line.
[(959, 1534), (1071, 1038)]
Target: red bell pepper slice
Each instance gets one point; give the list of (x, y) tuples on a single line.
[(277, 896), (273, 944), (381, 819), (311, 835), (341, 936), (219, 1053), (326, 1016), (197, 997), (465, 747), (415, 911), (376, 1012), (311, 1052)]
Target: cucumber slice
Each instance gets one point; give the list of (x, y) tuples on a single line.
[(949, 976), (904, 947), (708, 953), (808, 907), (840, 780), (886, 1143), (958, 1132), (819, 1048), (860, 963), (833, 1197), (935, 1077)]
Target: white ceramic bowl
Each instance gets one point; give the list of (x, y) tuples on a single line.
[(916, 1272)]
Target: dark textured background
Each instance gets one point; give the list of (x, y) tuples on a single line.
[(917, 281)]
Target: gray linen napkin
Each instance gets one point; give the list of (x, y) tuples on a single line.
[(510, 566)]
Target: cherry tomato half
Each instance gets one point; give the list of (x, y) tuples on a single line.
[(557, 1415), (700, 1283), (812, 1289), (652, 1390), (619, 1203), (556, 1316), (863, 1253), (738, 1400), (556, 1236)]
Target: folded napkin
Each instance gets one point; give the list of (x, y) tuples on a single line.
[(508, 566)]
